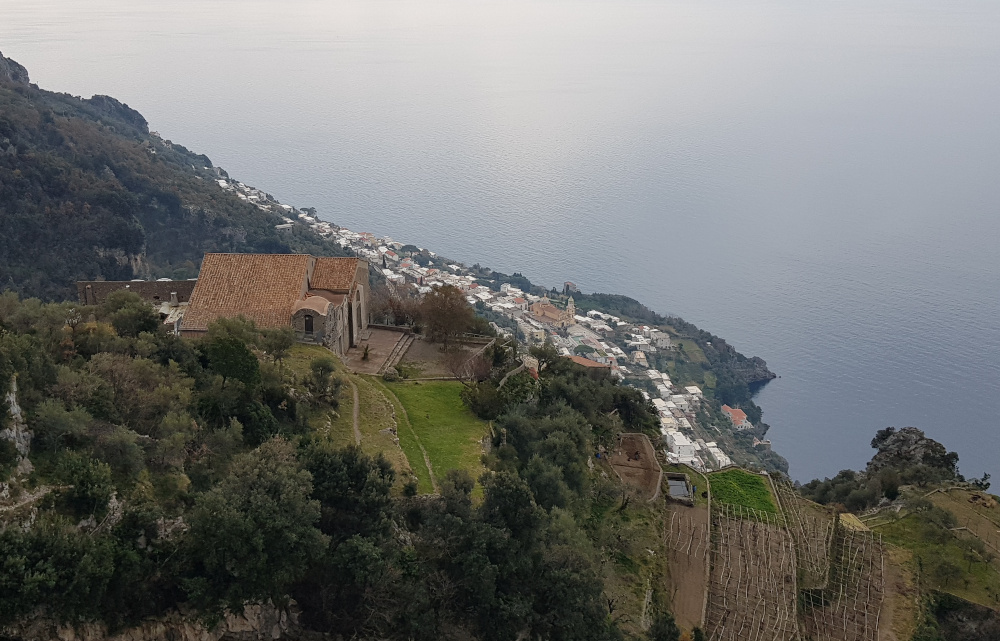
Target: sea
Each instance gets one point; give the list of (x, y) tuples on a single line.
[(816, 181)]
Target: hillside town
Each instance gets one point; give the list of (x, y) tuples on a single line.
[(592, 339)]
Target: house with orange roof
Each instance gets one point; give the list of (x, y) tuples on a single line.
[(586, 362), (325, 300), (738, 418)]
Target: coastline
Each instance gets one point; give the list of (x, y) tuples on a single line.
[(701, 387)]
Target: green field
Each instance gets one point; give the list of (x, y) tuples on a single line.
[(448, 431), (977, 578), (737, 487), (408, 441)]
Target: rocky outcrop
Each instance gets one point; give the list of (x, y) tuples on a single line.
[(908, 447), (255, 623), (17, 431), (119, 111), (752, 370), (12, 71)]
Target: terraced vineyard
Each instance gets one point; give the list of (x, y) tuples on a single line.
[(789, 573), (752, 590), (812, 529), (848, 609)]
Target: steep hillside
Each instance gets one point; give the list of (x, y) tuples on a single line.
[(941, 533), (88, 192)]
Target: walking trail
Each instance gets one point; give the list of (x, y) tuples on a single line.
[(357, 413), (427, 459)]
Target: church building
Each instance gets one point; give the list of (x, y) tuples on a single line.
[(325, 300), (545, 312)]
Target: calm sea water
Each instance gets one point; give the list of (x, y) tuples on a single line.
[(816, 181)]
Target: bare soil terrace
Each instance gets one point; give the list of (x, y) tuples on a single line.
[(635, 462)]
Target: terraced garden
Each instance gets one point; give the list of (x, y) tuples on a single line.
[(737, 487)]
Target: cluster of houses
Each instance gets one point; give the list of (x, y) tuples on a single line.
[(676, 408), (326, 300)]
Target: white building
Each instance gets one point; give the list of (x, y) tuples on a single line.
[(679, 444), (660, 340)]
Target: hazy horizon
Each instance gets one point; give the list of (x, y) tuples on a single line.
[(813, 182)]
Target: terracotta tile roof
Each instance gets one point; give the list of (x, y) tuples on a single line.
[(262, 287), (738, 417), (333, 274), (336, 299), (586, 362)]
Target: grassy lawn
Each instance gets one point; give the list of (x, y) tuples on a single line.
[(407, 439), (302, 355), (978, 582), (737, 487), (449, 432), (375, 421)]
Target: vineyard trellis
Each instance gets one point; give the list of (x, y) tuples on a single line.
[(848, 609), (752, 588), (811, 532), (686, 536), (792, 576)]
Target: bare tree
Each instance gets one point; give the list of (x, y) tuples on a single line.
[(467, 367)]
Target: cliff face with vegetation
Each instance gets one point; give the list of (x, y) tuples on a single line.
[(176, 476), (942, 534), (87, 192)]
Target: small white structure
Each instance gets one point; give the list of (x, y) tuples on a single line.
[(659, 340), (679, 444), (719, 457)]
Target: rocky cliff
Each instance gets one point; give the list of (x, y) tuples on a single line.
[(908, 447), (12, 71), (17, 430)]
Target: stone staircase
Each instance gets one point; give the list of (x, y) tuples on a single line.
[(397, 353)]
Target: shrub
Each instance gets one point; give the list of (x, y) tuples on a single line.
[(8, 458), (91, 484)]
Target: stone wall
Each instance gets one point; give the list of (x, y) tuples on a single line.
[(335, 333), (95, 292), (319, 324)]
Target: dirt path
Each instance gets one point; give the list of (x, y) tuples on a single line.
[(357, 413), (900, 609), (28, 498), (427, 459), (687, 549)]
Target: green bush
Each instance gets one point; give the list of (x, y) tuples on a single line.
[(8, 458), (90, 482)]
